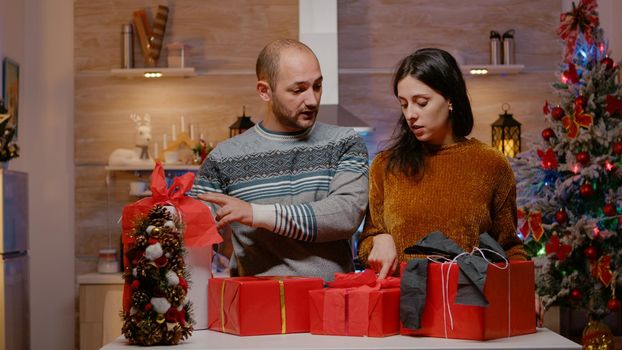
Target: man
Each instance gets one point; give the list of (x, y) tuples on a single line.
[(292, 190)]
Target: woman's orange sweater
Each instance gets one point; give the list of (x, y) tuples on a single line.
[(467, 188)]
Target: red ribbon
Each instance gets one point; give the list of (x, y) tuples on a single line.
[(571, 122), (532, 224), (582, 19), (614, 105), (602, 270), (200, 228)]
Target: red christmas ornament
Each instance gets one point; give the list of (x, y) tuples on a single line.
[(135, 284), (609, 209), (561, 216), (148, 307), (548, 133), (161, 261), (558, 113), (617, 148), (579, 102), (576, 294), (586, 190), (613, 304), (590, 252), (583, 158), (608, 62)]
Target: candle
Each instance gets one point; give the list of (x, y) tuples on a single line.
[(191, 132), (164, 142), (201, 136), (183, 124), (174, 136), (155, 150)]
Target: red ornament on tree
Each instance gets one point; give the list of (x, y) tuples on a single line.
[(583, 158), (617, 148), (561, 216), (579, 102), (608, 62), (548, 133), (558, 113), (609, 209), (613, 304), (576, 294), (590, 252), (586, 190)]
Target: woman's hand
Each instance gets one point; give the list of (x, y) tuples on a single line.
[(383, 255)]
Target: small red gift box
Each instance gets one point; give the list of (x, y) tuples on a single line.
[(260, 305), (356, 310), (511, 309)]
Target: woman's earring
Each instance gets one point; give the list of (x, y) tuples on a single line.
[(451, 107)]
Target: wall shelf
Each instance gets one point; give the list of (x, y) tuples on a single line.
[(141, 72), (488, 69)]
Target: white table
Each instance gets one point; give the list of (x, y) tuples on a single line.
[(210, 340)]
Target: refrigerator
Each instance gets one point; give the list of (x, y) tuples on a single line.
[(14, 291)]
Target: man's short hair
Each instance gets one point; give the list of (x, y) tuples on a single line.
[(267, 66)]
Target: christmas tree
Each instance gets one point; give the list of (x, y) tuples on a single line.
[(569, 184), (159, 312)]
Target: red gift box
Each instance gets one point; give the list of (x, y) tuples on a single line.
[(260, 305), (511, 309), (356, 310)]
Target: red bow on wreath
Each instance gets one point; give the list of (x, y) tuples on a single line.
[(602, 270), (532, 224), (571, 122), (582, 19), (614, 105)]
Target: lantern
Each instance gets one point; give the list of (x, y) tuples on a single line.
[(506, 133), (242, 124)]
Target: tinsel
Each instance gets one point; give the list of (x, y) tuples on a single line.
[(552, 177), (160, 312)]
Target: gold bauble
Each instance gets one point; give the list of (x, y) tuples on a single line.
[(597, 336)]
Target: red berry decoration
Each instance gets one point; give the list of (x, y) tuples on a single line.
[(583, 158), (576, 294), (558, 113), (609, 209), (586, 190), (613, 304), (579, 102), (617, 148), (548, 133), (608, 62), (591, 252), (561, 216)]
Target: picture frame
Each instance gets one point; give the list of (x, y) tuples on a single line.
[(10, 92)]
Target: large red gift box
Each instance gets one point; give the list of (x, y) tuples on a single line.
[(260, 305), (511, 309)]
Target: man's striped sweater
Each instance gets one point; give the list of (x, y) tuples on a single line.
[(309, 195)]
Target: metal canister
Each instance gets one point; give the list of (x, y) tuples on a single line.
[(127, 46), (495, 47), (508, 47)]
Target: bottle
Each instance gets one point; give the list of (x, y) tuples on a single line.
[(508, 47), (127, 46), (495, 47)]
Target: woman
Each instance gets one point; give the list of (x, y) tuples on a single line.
[(431, 177)]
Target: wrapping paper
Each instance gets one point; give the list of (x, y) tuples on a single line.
[(261, 304), (357, 304)]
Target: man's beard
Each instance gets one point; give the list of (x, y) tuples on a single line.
[(287, 120)]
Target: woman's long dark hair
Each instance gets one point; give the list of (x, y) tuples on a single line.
[(439, 70)]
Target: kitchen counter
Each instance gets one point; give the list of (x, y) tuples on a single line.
[(211, 340)]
